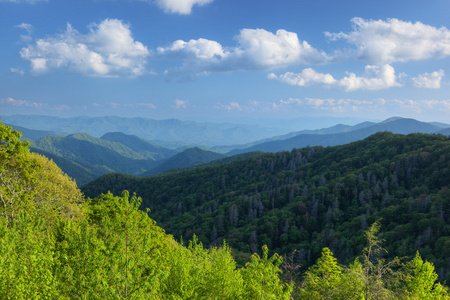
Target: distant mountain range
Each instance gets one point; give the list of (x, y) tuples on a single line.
[(85, 157), (337, 135), (171, 133)]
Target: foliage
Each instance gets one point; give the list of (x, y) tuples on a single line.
[(261, 278)]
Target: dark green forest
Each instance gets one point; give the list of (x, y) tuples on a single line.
[(56, 243)]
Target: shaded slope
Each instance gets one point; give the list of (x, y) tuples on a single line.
[(188, 158)]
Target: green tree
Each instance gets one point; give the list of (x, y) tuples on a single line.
[(322, 280), (419, 281), (261, 280), (135, 249), (377, 273), (15, 173), (31, 183)]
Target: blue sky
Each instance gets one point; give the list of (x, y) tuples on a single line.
[(226, 59)]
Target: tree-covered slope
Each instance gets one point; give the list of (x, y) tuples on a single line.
[(99, 155), (142, 146), (188, 158), (80, 174), (311, 198)]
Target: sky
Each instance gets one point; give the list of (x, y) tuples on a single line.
[(218, 60)]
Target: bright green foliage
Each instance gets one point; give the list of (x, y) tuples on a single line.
[(322, 281), (135, 249), (15, 173), (419, 281), (198, 273), (261, 279), (26, 261), (80, 267)]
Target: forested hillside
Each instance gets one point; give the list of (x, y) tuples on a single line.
[(55, 244), (188, 158), (310, 198)]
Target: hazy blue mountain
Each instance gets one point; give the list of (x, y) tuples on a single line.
[(175, 132), (443, 125), (445, 131), (339, 128), (394, 125), (32, 134), (188, 158)]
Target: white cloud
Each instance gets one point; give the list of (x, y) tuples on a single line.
[(429, 80), (21, 103), (262, 49), (108, 49), (380, 42), (19, 71), (376, 78), (27, 27), (180, 104), (230, 106), (330, 104), (145, 105), (26, 38), (182, 7), (115, 105), (201, 50), (442, 105), (306, 78), (257, 49)]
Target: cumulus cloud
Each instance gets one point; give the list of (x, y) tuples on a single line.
[(307, 77), (21, 103), (257, 49), (230, 106), (382, 42), (429, 80), (29, 29), (180, 104), (442, 105), (182, 7), (263, 49), (108, 49), (376, 78)]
